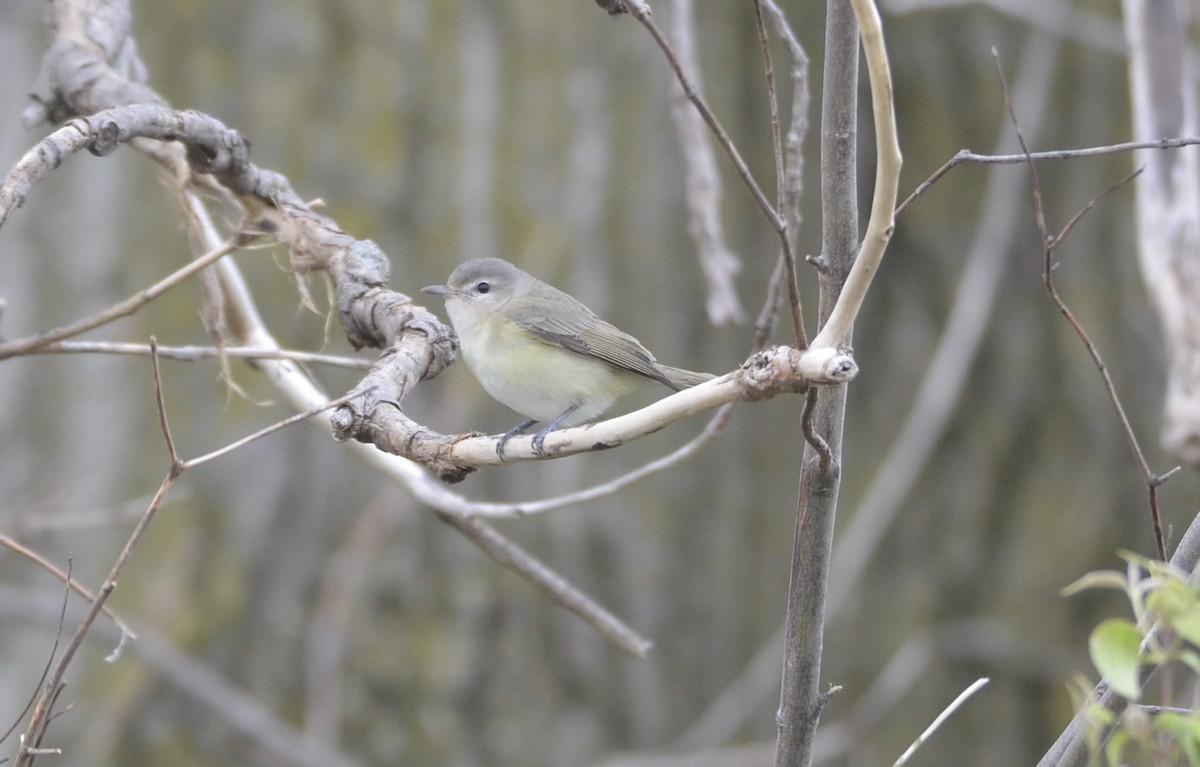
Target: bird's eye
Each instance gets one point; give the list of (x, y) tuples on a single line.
[(482, 287)]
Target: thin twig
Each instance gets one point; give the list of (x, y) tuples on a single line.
[(552, 584), (977, 685), (195, 353), (764, 44), (764, 324), (641, 12), (43, 711), (296, 418), (787, 250), (63, 575), (160, 402), (1049, 245), (792, 179), (967, 156), (810, 433), (121, 309), (37, 689)]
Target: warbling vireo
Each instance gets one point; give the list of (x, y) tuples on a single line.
[(541, 352)]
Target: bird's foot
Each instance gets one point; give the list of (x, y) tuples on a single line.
[(513, 432)]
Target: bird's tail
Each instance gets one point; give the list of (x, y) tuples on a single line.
[(680, 379)]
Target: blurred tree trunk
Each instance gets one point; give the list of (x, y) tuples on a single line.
[(1168, 208)]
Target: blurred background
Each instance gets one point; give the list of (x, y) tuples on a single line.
[(289, 588)]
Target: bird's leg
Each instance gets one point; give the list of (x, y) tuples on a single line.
[(514, 431), (541, 435)]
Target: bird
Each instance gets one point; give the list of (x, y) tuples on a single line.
[(542, 352)]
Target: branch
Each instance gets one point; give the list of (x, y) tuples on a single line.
[(1049, 245), (71, 584), (196, 353), (791, 163), (702, 184), (945, 377), (78, 77), (977, 685), (119, 310), (31, 739), (801, 699), (967, 156), (527, 508), (836, 331), (766, 374), (641, 12), (780, 223), (229, 704)]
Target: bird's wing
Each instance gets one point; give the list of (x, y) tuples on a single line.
[(585, 333)]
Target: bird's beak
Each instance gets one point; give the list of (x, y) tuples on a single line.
[(445, 291)]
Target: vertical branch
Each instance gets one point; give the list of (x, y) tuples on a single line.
[(787, 250), (801, 700)]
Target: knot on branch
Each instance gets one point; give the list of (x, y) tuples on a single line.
[(770, 372), (368, 419), (104, 138), (74, 80), (788, 369), (221, 151), (371, 313), (638, 8), (366, 263)]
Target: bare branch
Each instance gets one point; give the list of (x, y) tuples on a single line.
[(945, 378), (1049, 244), (975, 686), (195, 353), (887, 177), (801, 699), (43, 711), (551, 583), (967, 156), (642, 13), (64, 576), (702, 183), (527, 508), (121, 309), (38, 688)]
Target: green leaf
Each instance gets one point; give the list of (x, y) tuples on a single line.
[(1115, 747), (1187, 625), (1184, 730), (1191, 659), (1170, 598), (1114, 647), (1177, 606), (1097, 579)]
